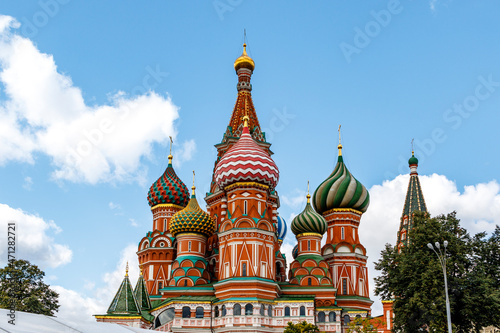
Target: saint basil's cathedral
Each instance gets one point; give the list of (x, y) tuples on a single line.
[(222, 270)]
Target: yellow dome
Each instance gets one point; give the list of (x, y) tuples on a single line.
[(244, 61), (192, 219)]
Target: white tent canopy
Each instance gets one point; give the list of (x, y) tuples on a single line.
[(34, 323)]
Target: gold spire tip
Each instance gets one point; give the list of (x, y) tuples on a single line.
[(193, 187), (140, 271), (340, 144), (245, 121), (126, 269), (170, 155)]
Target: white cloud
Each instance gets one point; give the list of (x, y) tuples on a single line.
[(28, 183), (296, 200), (186, 152), (113, 205), (78, 306), (34, 238), (44, 112), (477, 206)]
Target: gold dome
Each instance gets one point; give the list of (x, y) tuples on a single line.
[(244, 61)]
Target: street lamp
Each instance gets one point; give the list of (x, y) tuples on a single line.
[(442, 261)]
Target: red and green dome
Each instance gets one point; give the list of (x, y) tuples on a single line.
[(168, 189), (341, 190), (192, 219)]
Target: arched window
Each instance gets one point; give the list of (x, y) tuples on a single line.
[(302, 310), (216, 311), (287, 311), (321, 317), (248, 309), (199, 312), (270, 311), (237, 310), (223, 310), (331, 317), (347, 319), (262, 311), (186, 312), (185, 283), (309, 281)]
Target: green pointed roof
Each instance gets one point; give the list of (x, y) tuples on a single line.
[(141, 294), (414, 202), (124, 302)]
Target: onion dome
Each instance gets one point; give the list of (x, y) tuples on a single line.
[(168, 189), (309, 221), (413, 159), (295, 251), (244, 61), (282, 228), (341, 190), (246, 161), (192, 219)]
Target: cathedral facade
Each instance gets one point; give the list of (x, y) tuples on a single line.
[(222, 270)]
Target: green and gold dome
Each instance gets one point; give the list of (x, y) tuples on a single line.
[(192, 219), (341, 190), (309, 221)]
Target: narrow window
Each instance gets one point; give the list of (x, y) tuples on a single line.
[(347, 320), (223, 310), (185, 283), (309, 282), (262, 311), (160, 285), (199, 312), (237, 310), (342, 233), (258, 208), (245, 207), (244, 269), (248, 310), (189, 247), (321, 317), (302, 310), (186, 312), (216, 311), (331, 317), (308, 245), (164, 224), (287, 311), (270, 311), (344, 286)]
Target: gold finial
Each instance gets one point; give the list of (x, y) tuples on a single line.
[(340, 144), (245, 121), (140, 270), (170, 155), (412, 150), (308, 195), (126, 269), (193, 187)]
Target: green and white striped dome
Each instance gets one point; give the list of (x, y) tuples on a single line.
[(309, 221), (341, 190)]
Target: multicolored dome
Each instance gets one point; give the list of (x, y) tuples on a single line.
[(168, 189), (246, 161), (309, 221), (244, 61), (192, 219), (341, 190), (282, 228)]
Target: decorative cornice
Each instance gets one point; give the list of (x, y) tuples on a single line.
[(309, 234), (167, 206), (248, 184), (342, 210)]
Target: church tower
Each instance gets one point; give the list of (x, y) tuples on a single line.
[(341, 199), (414, 202), (157, 250)]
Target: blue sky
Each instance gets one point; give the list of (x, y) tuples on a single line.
[(388, 71)]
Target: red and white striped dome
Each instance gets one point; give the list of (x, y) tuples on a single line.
[(246, 161)]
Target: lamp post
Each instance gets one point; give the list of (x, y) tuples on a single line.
[(442, 261)]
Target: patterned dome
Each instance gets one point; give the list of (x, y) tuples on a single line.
[(246, 161), (168, 189), (309, 221), (341, 190), (295, 251), (413, 159), (192, 219), (282, 228)]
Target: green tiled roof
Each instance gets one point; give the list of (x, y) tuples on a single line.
[(124, 302), (141, 294)]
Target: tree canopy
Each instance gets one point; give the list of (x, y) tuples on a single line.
[(302, 327), (363, 325), (22, 288), (414, 278)]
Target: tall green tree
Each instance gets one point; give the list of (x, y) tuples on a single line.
[(414, 278), (22, 288), (302, 327), (363, 325)]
